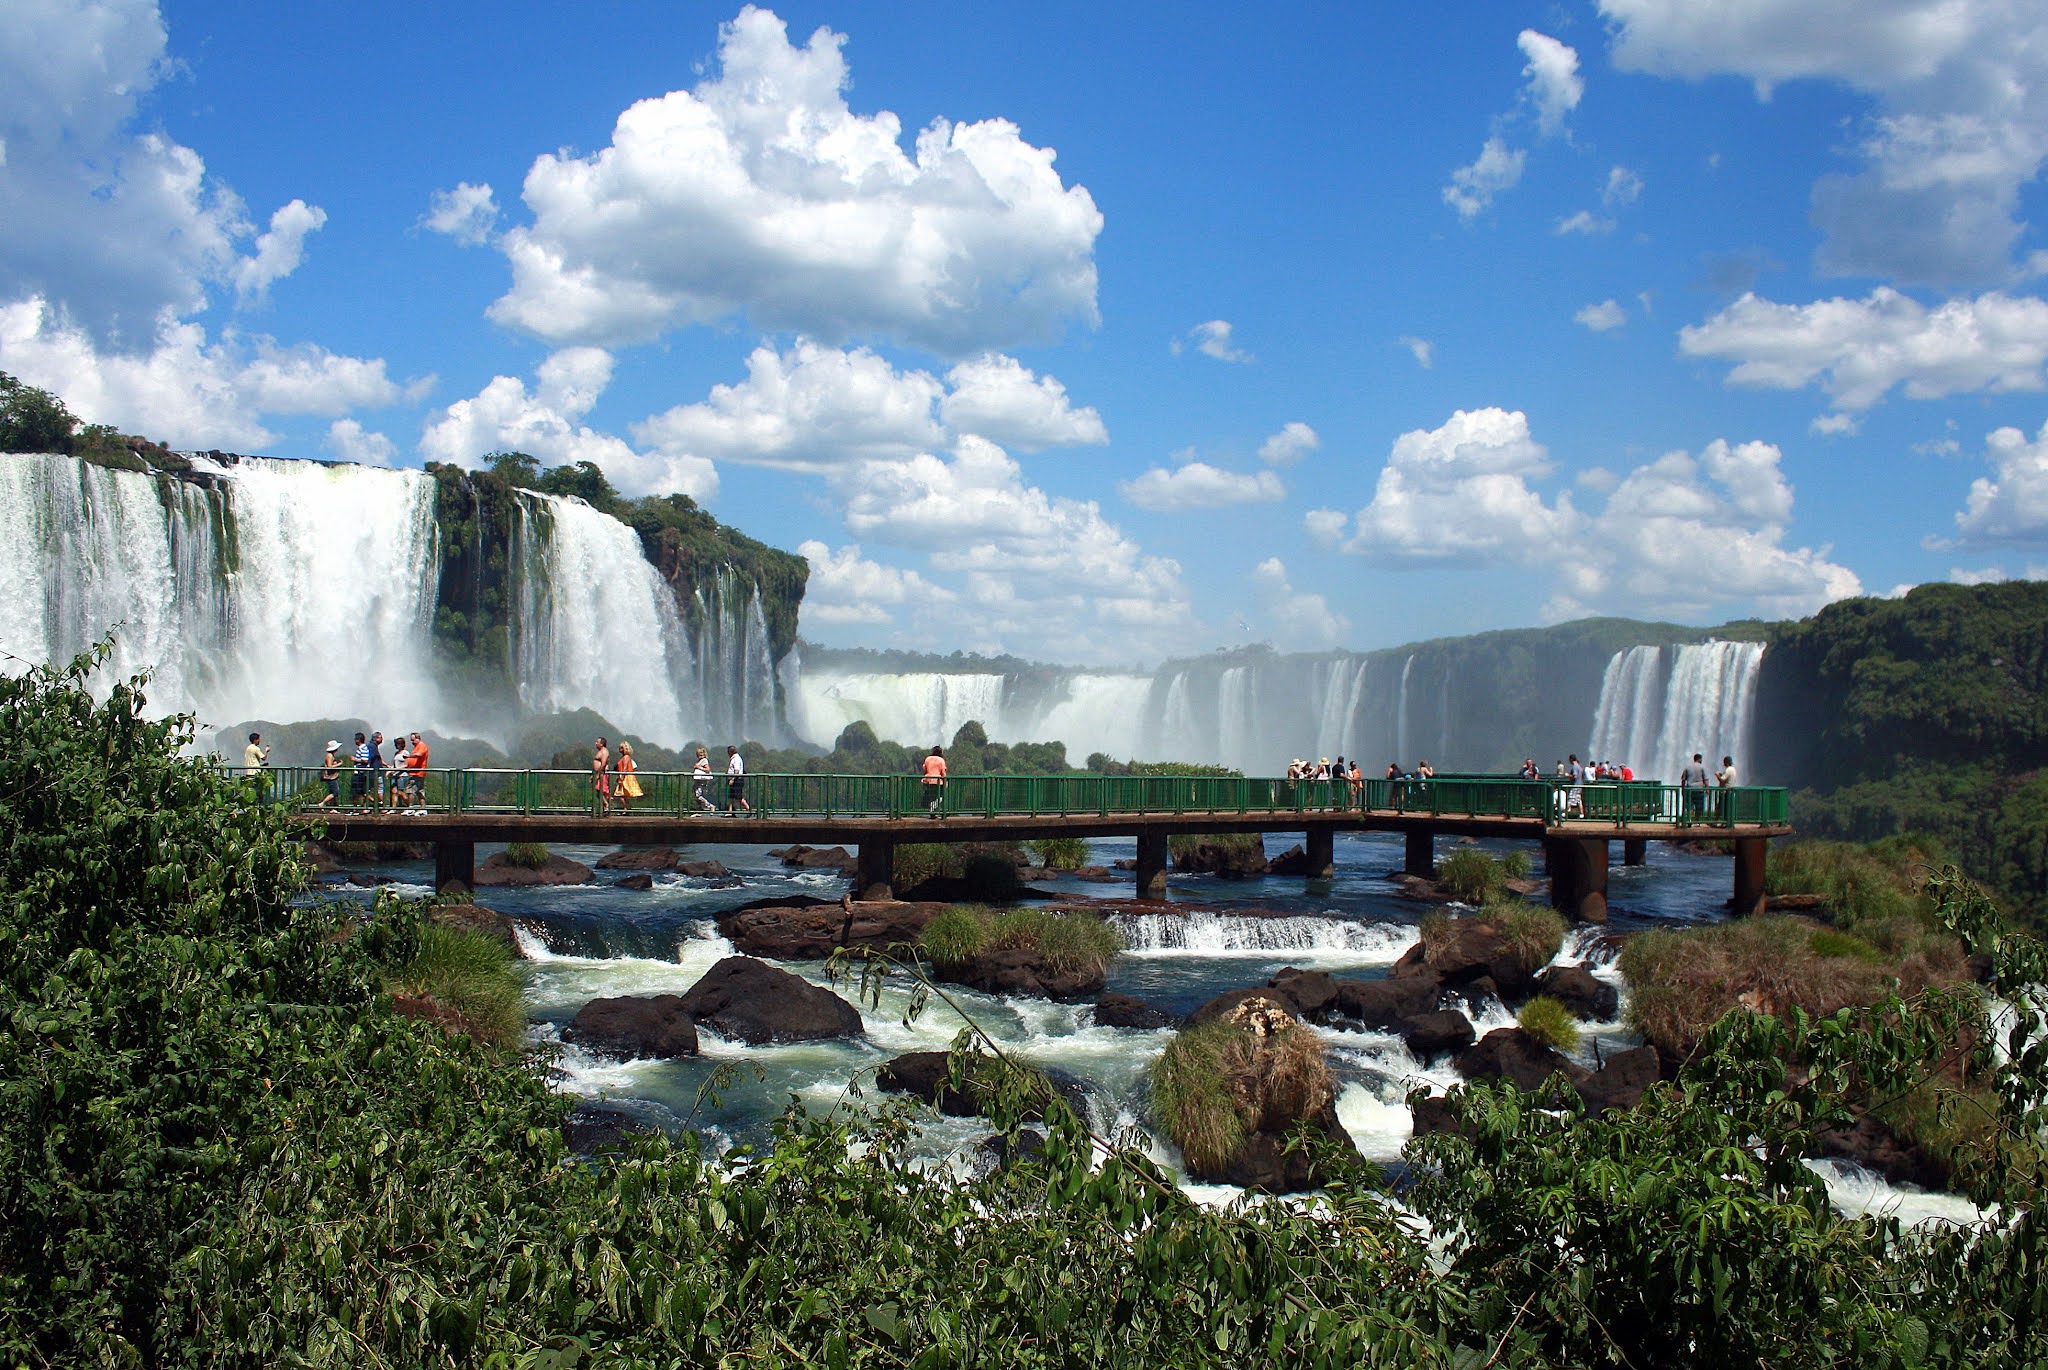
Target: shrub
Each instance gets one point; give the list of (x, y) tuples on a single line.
[(956, 935), (1064, 940), (470, 974), (1534, 931), (1516, 864), (1061, 853), (1220, 1081), (988, 868), (1858, 885), (1470, 876), (1239, 848), (1435, 933), (917, 862), (1550, 1023), (532, 855)]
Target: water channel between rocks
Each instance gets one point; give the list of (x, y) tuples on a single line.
[(588, 941)]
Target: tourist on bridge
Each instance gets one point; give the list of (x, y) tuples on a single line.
[(600, 776), (700, 782), (1692, 781), (1357, 779), (935, 781), (401, 763), (255, 761), (330, 774), (629, 783), (1725, 778), (416, 776), (1575, 799), (359, 773), (376, 765), (736, 782), (1529, 771)]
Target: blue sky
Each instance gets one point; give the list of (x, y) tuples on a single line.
[(1095, 336)]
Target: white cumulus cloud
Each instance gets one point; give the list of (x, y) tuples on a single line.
[(279, 249), (1211, 339), (347, 439), (1624, 187), (1554, 84), (546, 422), (1584, 223), (761, 193), (847, 588), (2010, 506), (1295, 618), (1294, 441), (1473, 186), (1601, 317), (467, 213), (1422, 349), (1001, 399), (1462, 491), (1858, 350), (184, 389), (1198, 485)]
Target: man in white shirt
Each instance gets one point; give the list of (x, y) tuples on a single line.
[(736, 782)]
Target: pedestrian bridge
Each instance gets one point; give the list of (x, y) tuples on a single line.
[(456, 809)]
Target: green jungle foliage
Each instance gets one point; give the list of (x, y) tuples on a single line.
[(220, 1145), (1550, 1023), (986, 871), (472, 977), (1471, 876)]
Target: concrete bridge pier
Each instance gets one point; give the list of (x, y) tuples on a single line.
[(454, 867), (1151, 865), (1578, 876), (1749, 875), (1322, 851), (1421, 852), (875, 870), (1635, 851)]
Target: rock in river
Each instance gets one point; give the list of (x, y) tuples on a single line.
[(750, 1001)]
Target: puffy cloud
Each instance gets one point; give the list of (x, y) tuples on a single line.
[(1293, 442), (185, 389), (812, 408), (1859, 349), (1602, 316), (2010, 506), (1833, 425), (1325, 526), (1211, 339), (761, 193), (1554, 84), (1462, 492), (1198, 485), (1038, 571), (846, 588), (817, 408), (1297, 619), (347, 440), (467, 213), (1496, 169), (1688, 538), (545, 422), (1585, 223), (115, 225), (279, 250), (1000, 398), (1422, 349), (1962, 123)]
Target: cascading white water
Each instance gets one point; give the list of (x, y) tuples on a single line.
[(1658, 707), (1401, 714), (1222, 934), (1098, 713), (919, 708), (1631, 709)]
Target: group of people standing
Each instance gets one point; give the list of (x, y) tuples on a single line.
[(397, 782), (615, 784)]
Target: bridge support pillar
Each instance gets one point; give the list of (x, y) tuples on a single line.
[(1322, 851), (454, 867), (1152, 865), (1635, 851), (875, 870), (1421, 852), (1578, 876), (1749, 875)]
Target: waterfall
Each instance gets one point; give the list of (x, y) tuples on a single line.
[(914, 708), (1631, 709), (1099, 712), (1401, 715), (1221, 934)]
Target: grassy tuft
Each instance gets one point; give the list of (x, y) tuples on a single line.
[(1550, 1023), (470, 974), (1832, 942), (1061, 853), (1516, 864), (1470, 876), (1435, 933), (1240, 846), (1218, 1082), (1860, 886), (956, 935), (532, 855), (1069, 941), (1534, 931)]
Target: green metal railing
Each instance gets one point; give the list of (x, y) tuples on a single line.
[(672, 793)]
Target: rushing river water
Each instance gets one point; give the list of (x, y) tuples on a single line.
[(585, 942)]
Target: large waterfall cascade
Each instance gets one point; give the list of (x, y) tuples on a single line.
[(1659, 705), (295, 590)]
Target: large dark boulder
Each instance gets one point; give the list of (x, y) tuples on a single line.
[(1120, 1010), (1384, 1004), (1293, 861), (800, 857), (657, 1026), (1514, 1055), (639, 859), (1620, 1082), (1431, 1036), (480, 920), (925, 1075), (1280, 1087), (1471, 949), (1269, 1166), (1232, 863), (495, 869), (750, 1001), (638, 880), (704, 870), (811, 931), (591, 1128), (1581, 991), (1308, 992), (1433, 1115)]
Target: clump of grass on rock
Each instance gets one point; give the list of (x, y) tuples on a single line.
[(1534, 931), (531, 855), (1221, 1081), (1061, 853), (1472, 877), (1066, 941), (468, 975), (1550, 1023)]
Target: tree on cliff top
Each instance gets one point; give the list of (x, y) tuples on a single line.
[(33, 420)]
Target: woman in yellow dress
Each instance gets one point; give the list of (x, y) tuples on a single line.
[(629, 784)]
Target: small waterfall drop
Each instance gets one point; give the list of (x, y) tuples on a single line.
[(1223, 934)]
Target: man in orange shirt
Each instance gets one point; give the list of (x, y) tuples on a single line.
[(416, 775), (935, 780)]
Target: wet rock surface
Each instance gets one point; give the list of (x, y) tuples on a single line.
[(478, 919), (496, 869), (812, 931), (1120, 1010), (655, 1026), (749, 1001), (1578, 989)]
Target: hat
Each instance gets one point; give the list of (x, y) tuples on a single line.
[(333, 746)]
